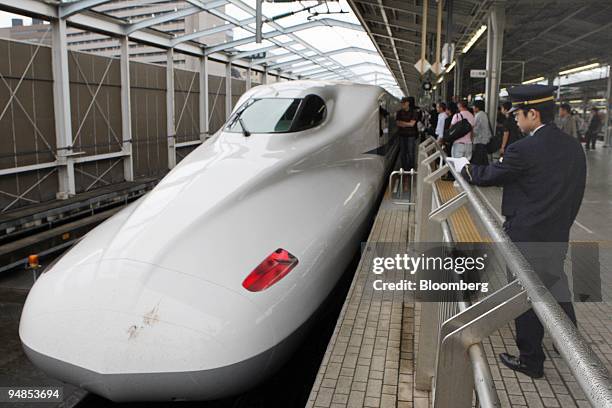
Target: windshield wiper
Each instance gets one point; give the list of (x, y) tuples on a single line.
[(245, 132), (237, 117)]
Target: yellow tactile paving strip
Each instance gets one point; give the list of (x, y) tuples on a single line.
[(463, 227)]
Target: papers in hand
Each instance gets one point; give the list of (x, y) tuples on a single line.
[(458, 163)]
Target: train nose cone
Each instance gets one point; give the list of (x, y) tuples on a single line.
[(133, 331)]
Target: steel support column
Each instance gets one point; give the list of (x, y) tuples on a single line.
[(204, 125), (126, 115), (248, 78), (607, 135), (495, 43), (264, 79), (444, 85), (170, 130), (228, 90), (258, 21), (458, 81), (61, 108)]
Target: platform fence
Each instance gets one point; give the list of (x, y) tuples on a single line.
[(451, 362)]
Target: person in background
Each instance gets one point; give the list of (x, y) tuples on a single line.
[(462, 147), (511, 131), (579, 124), (451, 110), (499, 123), (482, 134), (567, 121), (593, 129), (433, 118), (406, 120), (441, 120)]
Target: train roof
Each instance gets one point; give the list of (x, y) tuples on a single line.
[(301, 88)]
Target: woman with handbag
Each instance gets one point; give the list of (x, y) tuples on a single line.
[(462, 147)]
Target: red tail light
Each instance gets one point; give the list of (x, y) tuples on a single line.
[(272, 269)]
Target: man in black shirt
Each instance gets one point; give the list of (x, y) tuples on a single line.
[(406, 120), (593, 130), (511, 131)]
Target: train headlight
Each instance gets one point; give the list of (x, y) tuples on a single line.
[(272, 269)]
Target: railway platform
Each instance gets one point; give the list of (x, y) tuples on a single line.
[(371, 359)]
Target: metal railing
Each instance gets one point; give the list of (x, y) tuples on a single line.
[(452, 362)]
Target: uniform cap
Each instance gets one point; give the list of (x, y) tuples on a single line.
[(531, 96)]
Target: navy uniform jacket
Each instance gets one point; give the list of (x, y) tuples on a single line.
[(543, 177)]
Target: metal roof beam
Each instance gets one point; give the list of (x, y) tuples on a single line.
[(202, 33), (252, 12), (240, 4), (297, 60), (285, 31), (392, 40), (401, 24), (163, 18), (327, 54), (101, 23), (273, 57), (243, 54), (67, 9), (395, 37), (359, 64), (368, 29), (409, 7)]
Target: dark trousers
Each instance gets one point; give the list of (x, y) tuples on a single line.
[(480, 155), (408, 152), (591, 138), (547, 260)]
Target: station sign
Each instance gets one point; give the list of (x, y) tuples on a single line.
[(422, 66), (437, 68), (478, 73), (448, 52)]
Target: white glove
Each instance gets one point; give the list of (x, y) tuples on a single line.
[(458, 163)]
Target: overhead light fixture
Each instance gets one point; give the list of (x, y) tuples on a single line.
[(579, 69), (441, 79), (534, 80), (598, 100), (474, 38), (574, 101)]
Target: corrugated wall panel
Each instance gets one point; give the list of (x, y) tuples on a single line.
[(149, 139), (27, 126)]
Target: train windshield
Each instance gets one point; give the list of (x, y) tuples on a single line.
[(278, 115)]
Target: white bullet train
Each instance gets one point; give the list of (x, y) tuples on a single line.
[(203, 287)]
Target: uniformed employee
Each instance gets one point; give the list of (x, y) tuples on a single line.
[(543, 176)]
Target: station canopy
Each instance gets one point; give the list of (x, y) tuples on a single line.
[(369, 41), (541, 38), (306, 39)]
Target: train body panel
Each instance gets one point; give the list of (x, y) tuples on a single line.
[(157, 290)]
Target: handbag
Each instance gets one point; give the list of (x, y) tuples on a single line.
[(495, 143), (458, 130)]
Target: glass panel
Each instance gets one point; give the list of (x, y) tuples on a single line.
[(312, 113), (270, 115)]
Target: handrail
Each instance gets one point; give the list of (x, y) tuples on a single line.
[(483, 380), (585, 365)]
